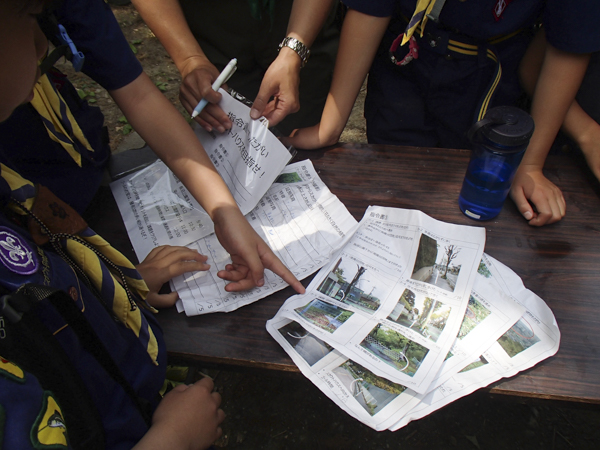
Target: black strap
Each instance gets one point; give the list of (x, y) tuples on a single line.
[(92, 344), (28, 343)]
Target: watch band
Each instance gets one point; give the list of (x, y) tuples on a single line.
[(301, 49)]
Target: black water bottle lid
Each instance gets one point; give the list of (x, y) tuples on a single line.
[(507, 126)]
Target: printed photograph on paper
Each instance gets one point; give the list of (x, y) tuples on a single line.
[(373, 393), (484, 270), (324, 315), (424, 315), (519, 338), (394, 349), (286, 178), (309, 347), (474, 315), (355, 285), (437, 264), (475, 364)]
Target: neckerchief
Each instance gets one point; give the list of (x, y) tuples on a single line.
[(58, 119), (111, 274)]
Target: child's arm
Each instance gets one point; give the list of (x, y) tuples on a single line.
[(282, 78), (582, 128), (166, 20), (188, 417), (360, 37), (173, 140), (559, 80)]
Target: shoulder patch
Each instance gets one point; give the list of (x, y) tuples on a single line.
[(16, 253), (11, 371), (49, 430)]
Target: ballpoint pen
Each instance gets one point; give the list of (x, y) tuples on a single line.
[(221, 79)]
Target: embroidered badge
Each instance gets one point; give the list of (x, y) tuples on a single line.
[(499, 8), (16, 254), (49, 430)]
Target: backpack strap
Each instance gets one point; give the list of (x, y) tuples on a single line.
[(25, 341)]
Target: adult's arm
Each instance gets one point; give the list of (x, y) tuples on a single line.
[(166, 20), (166, 131), (559, 79), (278, 94), (359, 40)]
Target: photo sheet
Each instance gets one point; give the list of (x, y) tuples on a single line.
[(511, 345), (393, 298)]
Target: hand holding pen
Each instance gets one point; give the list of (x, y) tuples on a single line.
[(227, 72)]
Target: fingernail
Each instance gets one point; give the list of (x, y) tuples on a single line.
[(528, 215), (254, 114), (221, 129), (261, 282), (209, 129)]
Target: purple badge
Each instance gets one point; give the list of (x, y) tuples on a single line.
[(16, 254)]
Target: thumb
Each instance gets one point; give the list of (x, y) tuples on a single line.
[(522, 204), (162, 300), (260, 103)]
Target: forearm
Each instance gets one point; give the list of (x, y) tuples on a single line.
[(307, 19), (173, 140), (559, 80), (166, 20), (359, 40)]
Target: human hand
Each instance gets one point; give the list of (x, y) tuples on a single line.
[(188, 417), (530, 185), (281, 83), (198, 75), (250, 255), (164, 263)]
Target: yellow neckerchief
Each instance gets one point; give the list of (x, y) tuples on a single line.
[(420, 17), (58, 119), (103, 278)]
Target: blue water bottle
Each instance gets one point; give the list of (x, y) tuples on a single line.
[(499, 142)]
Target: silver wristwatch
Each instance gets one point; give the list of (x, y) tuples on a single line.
[(301, 49)]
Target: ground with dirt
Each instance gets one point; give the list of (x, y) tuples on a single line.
[(275, 411)]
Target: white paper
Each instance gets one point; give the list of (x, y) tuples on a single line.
[(156, 207), (381, 404), (355, 303), (300, 219)]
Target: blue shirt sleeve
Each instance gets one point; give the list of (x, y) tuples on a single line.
[(378, 8), (93, 28), (573, 26)]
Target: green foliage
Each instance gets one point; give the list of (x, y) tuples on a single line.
[(133, 43), (161, 85), (428, 250), (483, 270), (87, 95), (127, 128)]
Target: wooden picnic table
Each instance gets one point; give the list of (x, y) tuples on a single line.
[(560, 263)]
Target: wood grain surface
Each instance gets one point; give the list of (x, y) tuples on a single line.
[(560, 263)]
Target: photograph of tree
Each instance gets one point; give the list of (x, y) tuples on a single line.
[(434, 263), (355, 285), (394, 349), (425, 315), (520, 337), (373, 393), (474, 315), (309, 347), (325, 316)]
